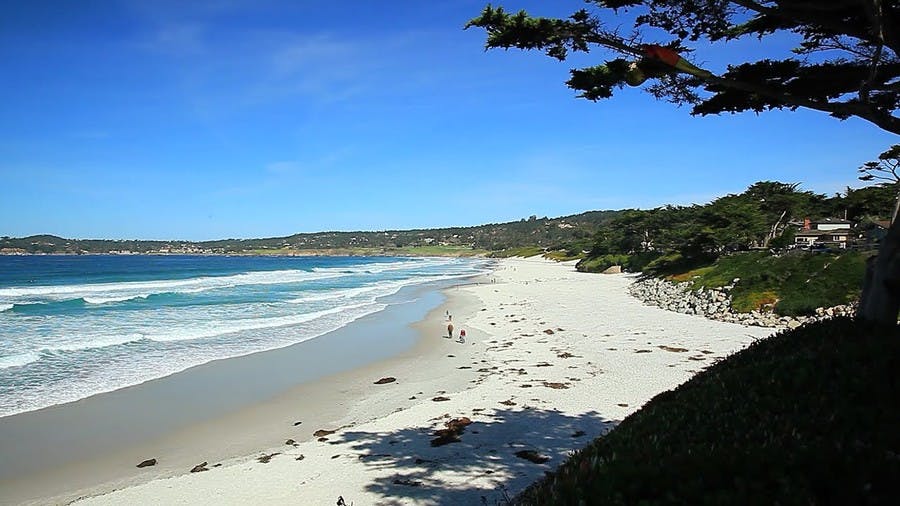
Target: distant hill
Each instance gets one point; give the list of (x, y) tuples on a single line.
[(574, 233)]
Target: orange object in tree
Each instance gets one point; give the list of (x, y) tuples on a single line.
[(663, 54), (673, 59)]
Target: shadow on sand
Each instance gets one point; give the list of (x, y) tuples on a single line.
[(482, 466)]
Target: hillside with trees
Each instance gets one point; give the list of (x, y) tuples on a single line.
[(572, 234), (766, 216)]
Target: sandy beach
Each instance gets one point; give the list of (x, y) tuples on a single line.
[(552, 359)]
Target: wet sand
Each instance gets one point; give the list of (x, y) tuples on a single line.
[(225, 409)]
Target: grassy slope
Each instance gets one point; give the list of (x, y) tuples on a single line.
[(798, 282), (808, 416)]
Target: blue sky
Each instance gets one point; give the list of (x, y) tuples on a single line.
[(257, 118)]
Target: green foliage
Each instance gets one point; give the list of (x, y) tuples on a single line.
[(673, 264), (637, 262), (564, 255), (730, 223), (870, 202), (785, 239), (630, 263), (600, 263), (803, 417), (853, 72), (799, 282)]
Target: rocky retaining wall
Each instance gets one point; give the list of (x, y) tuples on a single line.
[(715, 303)]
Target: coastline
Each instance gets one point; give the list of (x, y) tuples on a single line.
[(58, 454), (553, 358)]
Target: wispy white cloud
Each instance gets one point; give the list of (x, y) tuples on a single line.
[(177, 39)]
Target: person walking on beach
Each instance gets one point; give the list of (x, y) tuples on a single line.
[(462, 336), (450, 330)]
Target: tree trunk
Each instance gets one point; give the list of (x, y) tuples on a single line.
[(880, 299)]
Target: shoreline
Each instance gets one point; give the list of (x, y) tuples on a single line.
[(99, 465), (553, 358)]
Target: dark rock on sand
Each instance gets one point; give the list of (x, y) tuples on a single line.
[(200, 467), (290, 442), (673, 349), (452, 432), (322, 433), (266, 458), (147, 463), (388, 379), (408, 483), (440, 399), (532, 456)]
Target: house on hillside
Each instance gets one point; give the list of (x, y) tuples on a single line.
[(830, 232)]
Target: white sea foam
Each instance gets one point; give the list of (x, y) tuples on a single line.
[(378, 267), (138, 288), (107, 300), (379, 289), (6, 307), (349, 293), (19, 360), (109, 379), (95, 342), (215, 328)]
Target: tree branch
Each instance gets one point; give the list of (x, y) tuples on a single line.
[(874, 11), (841, 110), (805, 16)]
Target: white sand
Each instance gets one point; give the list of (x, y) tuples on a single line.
[(604, 352)]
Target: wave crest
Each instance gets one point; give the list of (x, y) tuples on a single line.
[(19, 359)]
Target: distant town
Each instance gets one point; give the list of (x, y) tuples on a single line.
[(573, 232)]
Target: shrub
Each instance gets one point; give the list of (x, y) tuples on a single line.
[(804, 417), (674, 263), (801, 282), (600, 263), (638, 261)]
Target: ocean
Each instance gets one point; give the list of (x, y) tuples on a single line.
[(75, 326)]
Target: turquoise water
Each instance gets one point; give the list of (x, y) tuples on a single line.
[(74, 326)]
